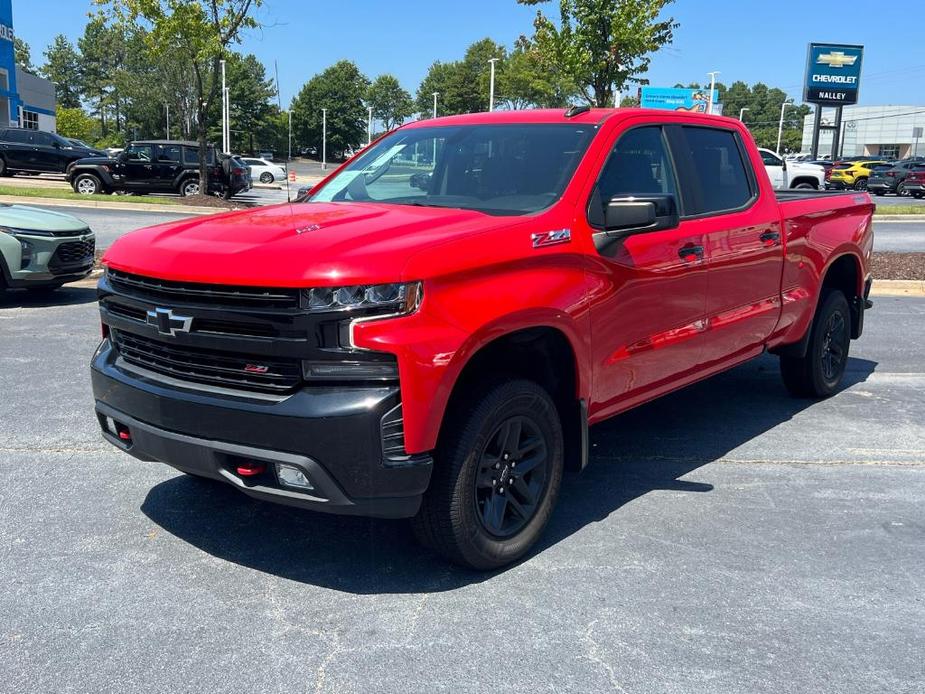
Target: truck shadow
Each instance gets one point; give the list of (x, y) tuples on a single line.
[(65, 296), (650, 448)]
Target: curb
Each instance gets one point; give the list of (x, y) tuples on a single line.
[(899, 218), (898, 288), (106, 205)]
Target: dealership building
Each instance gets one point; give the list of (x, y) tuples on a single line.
[(26, 100), (879, 131)]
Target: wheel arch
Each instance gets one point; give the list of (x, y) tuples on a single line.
[(814, 182)]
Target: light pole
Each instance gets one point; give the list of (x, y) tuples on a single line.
[(491, 88), (742, 113), (289, 158), (712, 89), (324, 139), (369, 128), (228, 119), (436, 94), (780, 126), (168, 120), (224, 112)]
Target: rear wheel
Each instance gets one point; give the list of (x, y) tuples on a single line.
[(860, 184), (189, 187), (918, 196), (804, 185), (3, 171), (819, 373), (496, 477), (901, 189), (87, 184)]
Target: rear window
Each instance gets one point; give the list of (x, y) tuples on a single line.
[(720, 171)]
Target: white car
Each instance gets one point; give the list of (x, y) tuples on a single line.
[(265, 171), (787, 175)]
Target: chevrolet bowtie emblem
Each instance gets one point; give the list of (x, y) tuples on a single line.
[(836, 59), (169, 323)]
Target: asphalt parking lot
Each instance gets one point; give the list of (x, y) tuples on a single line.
[(726, 538)]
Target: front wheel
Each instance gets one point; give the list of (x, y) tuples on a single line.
[(819, 373), (901, 189), (87, 184), (496, 477), (266, 177), (189, 187)]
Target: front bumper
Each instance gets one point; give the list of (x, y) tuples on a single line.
[(45, 265), (332, 434)]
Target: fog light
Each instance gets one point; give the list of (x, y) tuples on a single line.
[(291, 476)]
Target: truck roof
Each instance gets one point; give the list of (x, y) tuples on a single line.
[(592, 116)]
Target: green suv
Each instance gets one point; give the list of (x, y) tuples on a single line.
[(41, 249)]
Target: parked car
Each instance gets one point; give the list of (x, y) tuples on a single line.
[(41, 249), (891, 178), (915, 183), (265, 171), (157, 166), (378, 349), (36, 151), (265, 154), (794, 174), (851, 174)]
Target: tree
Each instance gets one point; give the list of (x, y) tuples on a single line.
[(602, 44), (98, 50), (23, 54), (463, 84), (73, 122), (62, 66), (196, 34), (523, 82), (338, 89), (439, 78), (390, 103)]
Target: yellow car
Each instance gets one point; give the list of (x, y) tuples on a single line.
[(851, 174)]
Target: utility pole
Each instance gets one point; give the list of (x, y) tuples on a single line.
[(369, 128), (289, 158), (224, 112), (742, 113), (780, 127), (324, 139), (712, 89), (491, 88)]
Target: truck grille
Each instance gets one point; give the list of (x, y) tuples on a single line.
[(210, 367), (157, 290), (71, 256)]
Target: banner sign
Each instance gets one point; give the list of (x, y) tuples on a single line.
[(833, 74), (677, 99)]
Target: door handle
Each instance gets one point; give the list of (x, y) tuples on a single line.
[(770, 238), (690, 253)]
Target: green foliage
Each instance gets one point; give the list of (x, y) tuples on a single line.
[(73, 122), (463, 84), (390, 103), (602, 44), (524, 81), (339, 89), (23, 54), (63, 67)]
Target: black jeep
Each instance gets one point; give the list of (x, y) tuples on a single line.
[(158, 166)]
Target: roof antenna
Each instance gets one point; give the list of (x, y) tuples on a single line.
[(577, 110), (279, 101)]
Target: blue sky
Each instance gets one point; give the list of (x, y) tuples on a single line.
[(750, 41)]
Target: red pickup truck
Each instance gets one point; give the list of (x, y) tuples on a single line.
[(431, 330)]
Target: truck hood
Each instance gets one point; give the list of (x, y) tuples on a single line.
[(25, 217), (295, 245), (95, 161)]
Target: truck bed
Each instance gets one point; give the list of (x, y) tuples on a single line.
[(791, 195)]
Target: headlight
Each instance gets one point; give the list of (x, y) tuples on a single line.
[(400, 298)]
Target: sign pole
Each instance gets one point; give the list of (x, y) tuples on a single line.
[(836, 134), (817, 123)]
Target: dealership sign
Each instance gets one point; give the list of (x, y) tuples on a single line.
[(833, 74)]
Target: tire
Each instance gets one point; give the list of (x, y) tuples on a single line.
[(87, 184), (819, 373), (860, 184), (901, 189), (918, 196), (266, 177), (3, 169), (880, 193), (467, 514), (804, 186), (189, 187)]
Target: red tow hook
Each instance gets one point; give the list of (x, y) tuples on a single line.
[(251, 469)]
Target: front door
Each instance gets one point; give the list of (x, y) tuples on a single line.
[(139, 166), (647, 321), (774, 165)]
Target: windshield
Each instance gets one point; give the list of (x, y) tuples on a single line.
[(80, 143), (496, 169)]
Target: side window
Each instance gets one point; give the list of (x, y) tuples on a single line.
[(19, 135), (169, 154), (769, 159), (720, 172), (190, 155), (43, 139), (638, 165), (140, 153)]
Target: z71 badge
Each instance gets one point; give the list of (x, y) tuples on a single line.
[(551, 238)]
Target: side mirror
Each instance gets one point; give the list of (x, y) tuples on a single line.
[(421, 181), (626, 215)]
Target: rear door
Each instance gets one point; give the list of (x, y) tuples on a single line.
[(21, 152), (647, 326), (742, 237)]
